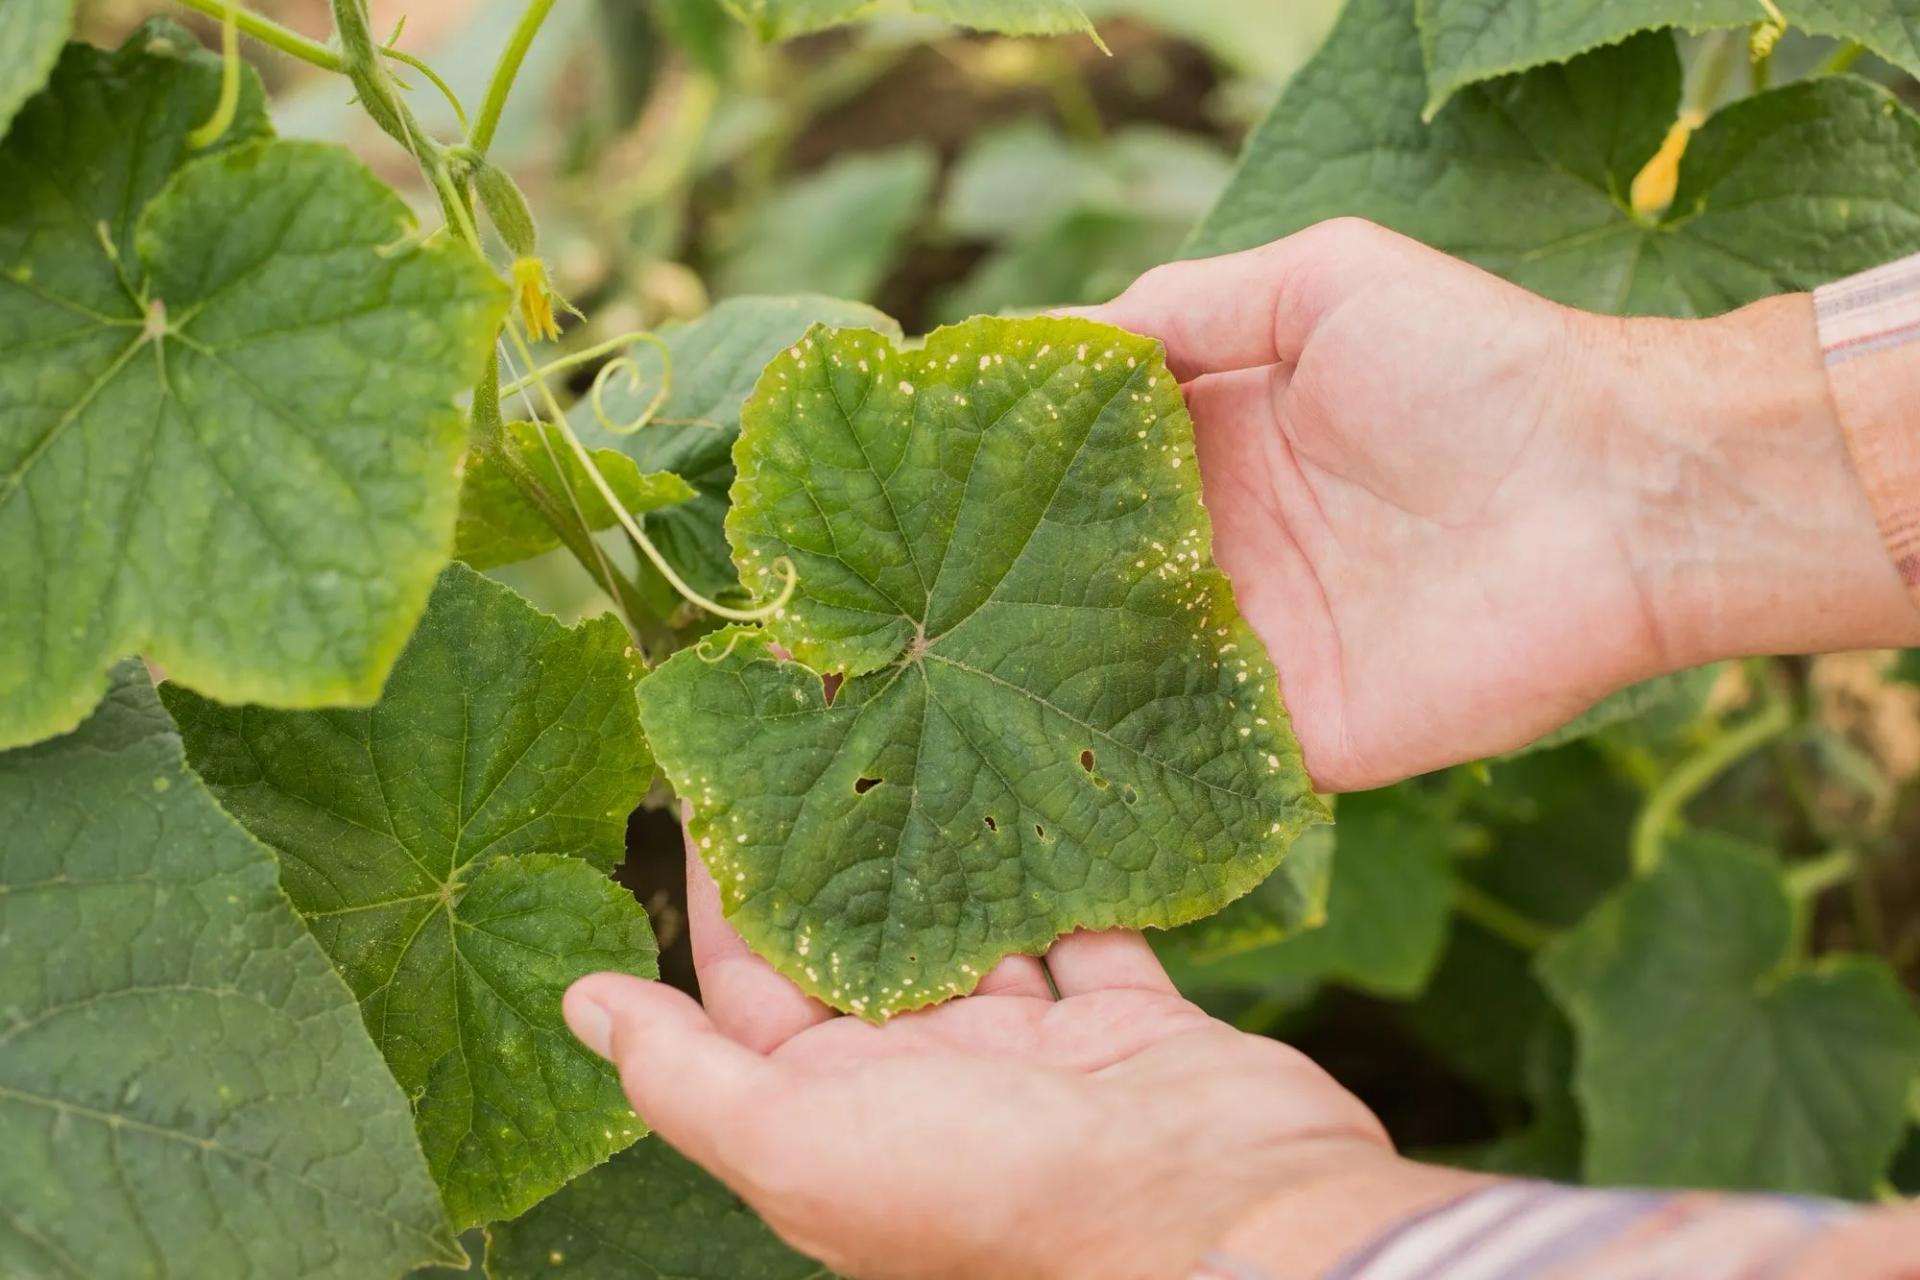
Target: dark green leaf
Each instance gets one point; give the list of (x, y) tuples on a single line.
[(445, 847), (1530, 176), (1054, 716), (1472, 40), (1709, 1056), (715, 361), (1289, 902), (498, 525), (647, 1212), (228, 436), (1674, 699), (185, 1086)]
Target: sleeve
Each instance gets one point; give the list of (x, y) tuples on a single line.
[(1870, 338)]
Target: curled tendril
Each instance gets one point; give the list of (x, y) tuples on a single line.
[(707, 656), (228, 103), (621, 364), (640, 540)]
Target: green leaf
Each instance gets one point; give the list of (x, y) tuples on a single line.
[(31, 33), (498, 525), (185, 1086), (1906, 667), (1472, 40), (1674, 699), (234, 453), (1054, 716), (1530, 176), (784, 19), (648, 1211), (446, 848), (1386, 910), (833, 232), (1291, 901), (714, 362), (1709, 1055)]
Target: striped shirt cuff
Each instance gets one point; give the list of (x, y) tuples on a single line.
[(1870, 337)]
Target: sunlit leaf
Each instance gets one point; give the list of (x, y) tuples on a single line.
[(1054, 715), (31, 33)]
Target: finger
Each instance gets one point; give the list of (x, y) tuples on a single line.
[(685, 1078), (1106, 960), (1257, 307), (1016, 976), (744, 995)]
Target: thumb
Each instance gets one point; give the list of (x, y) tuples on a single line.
[(686, 1079), (1251, 309)]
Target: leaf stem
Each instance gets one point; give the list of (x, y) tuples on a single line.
[(1521, 932), (480, 136), (225, 107), (1809, 879), (1841, 60), (270, 33), (1697, 772)]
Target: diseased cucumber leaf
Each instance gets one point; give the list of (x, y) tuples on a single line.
[(715, 361), (648, 1211), (233, 452), (185, 1086), (498, 525), (1530, 176), (1386, 913), (1290, 902), (784, 19), (31, 33), (1673, 699), (1054, 715), (1709, 1056), (446, 847), (1471, 40)]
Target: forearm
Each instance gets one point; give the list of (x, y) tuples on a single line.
[(1745, 518)]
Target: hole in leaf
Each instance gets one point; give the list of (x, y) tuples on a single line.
[(991, 824), (1040, 831), (830, 685), (863, 785), (1129, 795), (1086, 760)]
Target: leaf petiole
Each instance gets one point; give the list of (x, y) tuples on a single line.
[(270, 33), (480, 136)]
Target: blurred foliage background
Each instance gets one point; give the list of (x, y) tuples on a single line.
[(674, 162)]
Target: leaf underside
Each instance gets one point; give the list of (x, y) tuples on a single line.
[(1530, 176), (1708, 1057), (1054, 716), (715, 361), (185, 1084), (233, 453), (1467, 41), (447, 847), (648, 1211)]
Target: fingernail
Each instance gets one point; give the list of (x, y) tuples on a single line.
[(591, 1023)]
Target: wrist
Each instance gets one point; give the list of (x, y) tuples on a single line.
[(1333, 1203), (1744, 521)]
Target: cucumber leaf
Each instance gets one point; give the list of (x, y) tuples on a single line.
[(234, 453), (499, 525), (713, 362), (1053, 715), (1472, 40), (650, 1211), (31, 33), (447, 848), (1530, 176), (1670, 700), (1709, 1055), (185, 1085)]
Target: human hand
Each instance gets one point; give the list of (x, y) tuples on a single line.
[(1117, 1131), (1459, 514)]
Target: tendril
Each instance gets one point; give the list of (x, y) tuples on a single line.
[(228, 103), (622, 364), (714, 659), (685, 590)]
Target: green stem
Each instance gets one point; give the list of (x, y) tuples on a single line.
[(1724, 50), (1696, 773), (1521, 932), (480, 137), (271, 33), (1808, 880), (1841, 60)]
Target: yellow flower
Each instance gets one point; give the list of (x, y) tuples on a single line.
[(533, 298), (1654, 186)]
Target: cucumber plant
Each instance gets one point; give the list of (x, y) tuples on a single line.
[(927, 636)]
